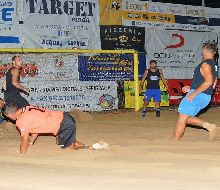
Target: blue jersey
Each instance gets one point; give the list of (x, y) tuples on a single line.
[(198, 79)]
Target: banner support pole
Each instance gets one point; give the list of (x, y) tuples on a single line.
[(136, 82)]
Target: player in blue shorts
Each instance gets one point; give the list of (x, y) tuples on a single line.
[(153, 76), (199, 93)]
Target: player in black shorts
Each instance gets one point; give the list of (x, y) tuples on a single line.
[(12, 86)]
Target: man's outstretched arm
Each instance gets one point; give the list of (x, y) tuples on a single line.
[(24, 143)]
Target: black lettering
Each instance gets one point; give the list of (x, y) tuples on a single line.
[(79, 8), (66, 7), (90, 8), (55, 7), (43, 7), (31, 5)]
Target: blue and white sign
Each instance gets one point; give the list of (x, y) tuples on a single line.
[(106, 67), (10, 35)]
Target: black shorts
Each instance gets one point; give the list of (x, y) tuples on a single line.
[(67, 132), (16, 99)]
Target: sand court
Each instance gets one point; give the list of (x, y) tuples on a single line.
[(141, 155)]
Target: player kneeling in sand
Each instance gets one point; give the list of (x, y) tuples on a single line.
[(32, 121)]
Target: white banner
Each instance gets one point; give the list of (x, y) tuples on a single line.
[(62, 95), (50, 67), (10, 33), (184, 10), (53, 81), (171, 26), (62, 24), (177, 52), (170, 16)]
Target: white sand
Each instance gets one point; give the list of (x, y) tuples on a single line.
[(141, 156)]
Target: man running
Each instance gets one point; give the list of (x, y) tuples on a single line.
[(199, 94), (153, 76)]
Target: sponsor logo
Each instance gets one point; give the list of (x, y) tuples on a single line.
[(153, 17), (6, 12), (123, 39), (115, 6), (136, 6), (179, 44), (124, 30), (195, 12), (198, 21), (58, 7), (106, 101)]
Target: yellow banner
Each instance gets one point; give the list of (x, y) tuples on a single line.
[(129, 95), (145, 16), (110, 12)]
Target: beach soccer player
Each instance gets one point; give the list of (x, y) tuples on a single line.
[(153, 76), (32, 121), (12, 86), (199, 94)]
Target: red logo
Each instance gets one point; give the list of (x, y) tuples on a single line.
[(179, 44), (29, 69)]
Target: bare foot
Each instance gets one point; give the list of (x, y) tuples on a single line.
[(72, 147), (213, 133), (80, 145)]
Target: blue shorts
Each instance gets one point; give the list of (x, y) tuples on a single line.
[(192, 108), (153, 93)]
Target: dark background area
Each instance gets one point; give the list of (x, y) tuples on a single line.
[(208, 3)]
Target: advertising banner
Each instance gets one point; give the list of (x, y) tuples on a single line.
[(142, 65), (62, 24), (170, 16), (53, 83), (106, 67), (176, 94), (122, 37), (177, 52), (49, 67), (216, 96), (129, 95), (62, 95), (110, 12), (175, 90), (10, 32), (184, 10)]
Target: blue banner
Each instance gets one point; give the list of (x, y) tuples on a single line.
[(142, 64), (197, 20), (106, 67)]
